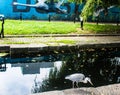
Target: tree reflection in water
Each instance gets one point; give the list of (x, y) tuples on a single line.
[(100, 65)]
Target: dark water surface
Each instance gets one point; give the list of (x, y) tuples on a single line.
[(22, 76)]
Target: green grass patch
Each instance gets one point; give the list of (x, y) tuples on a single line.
[(16, 27), (66, 41), (3, 54), (58, 42), (102, 28), (9, 42), (30, 27)]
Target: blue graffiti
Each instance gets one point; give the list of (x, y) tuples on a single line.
[(41, 5)]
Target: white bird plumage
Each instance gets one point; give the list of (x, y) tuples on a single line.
[(78, 77), (41, 4)]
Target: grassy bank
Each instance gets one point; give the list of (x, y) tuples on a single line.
[(17, 27)]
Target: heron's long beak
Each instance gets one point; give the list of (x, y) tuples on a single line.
[(91, 82)]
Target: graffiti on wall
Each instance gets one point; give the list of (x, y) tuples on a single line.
[(42, 6), (56, 9)]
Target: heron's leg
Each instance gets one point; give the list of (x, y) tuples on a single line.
[(73, 84), (77, 84)]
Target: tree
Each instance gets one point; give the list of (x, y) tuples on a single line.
[(94, 5)]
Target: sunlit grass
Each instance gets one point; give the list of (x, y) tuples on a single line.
[(47, 42), (30, 27), (3, 54), (66, 41), (16, 27), (9, 41), (102, 28)]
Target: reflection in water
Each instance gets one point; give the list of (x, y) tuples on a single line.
[(33, 68), (45, 73), (118, 80), (36, 86), (3, 67), (13, 82), (101, 65)]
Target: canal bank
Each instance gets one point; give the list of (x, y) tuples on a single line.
[(40, 44), (103, 90), (96, 48), (46, 44)]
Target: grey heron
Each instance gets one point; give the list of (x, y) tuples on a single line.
[(78, 77)]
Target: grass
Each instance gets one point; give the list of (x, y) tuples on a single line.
[(48, 41), (102, 28), (66, 41), (30, 27), (10, 41), (16, 27), (3, 54)]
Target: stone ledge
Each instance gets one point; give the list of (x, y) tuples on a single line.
[(113, 89), (4, 49), (24, 49)]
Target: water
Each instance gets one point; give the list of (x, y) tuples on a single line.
[(22, 76), (14, 82)]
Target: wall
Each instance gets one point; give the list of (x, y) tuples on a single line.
[(15, 12)]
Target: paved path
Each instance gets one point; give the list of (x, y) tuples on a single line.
[(45, 41), (37, 44)]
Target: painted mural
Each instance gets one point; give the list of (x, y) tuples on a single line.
[(45, 9), (36, 9)]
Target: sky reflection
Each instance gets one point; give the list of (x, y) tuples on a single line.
[(13, 82)]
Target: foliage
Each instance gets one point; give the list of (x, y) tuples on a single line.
[(56, 78), (88, 9), (93, 5), (71, 64), (77, 1), (95, 63)]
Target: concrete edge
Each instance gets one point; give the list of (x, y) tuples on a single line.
[(48, 49)]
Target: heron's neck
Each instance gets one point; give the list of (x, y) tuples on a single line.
[(85, 80), (20, 4)]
